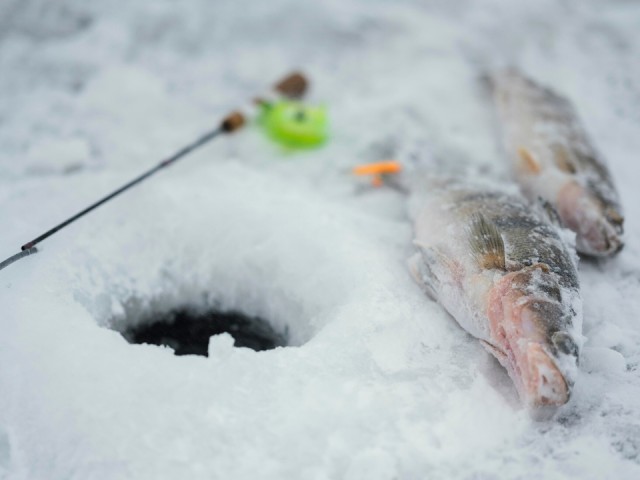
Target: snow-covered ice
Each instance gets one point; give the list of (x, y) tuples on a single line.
[(378, 382)]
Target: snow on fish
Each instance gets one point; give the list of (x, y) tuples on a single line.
[(553, 159), (508, 277)]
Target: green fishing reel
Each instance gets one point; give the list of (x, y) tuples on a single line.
[(294, 124)]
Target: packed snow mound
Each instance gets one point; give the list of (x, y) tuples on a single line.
[(376, 381)]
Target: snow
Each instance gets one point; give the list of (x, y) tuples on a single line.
[(378, 382)]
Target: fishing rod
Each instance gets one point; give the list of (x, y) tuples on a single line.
[(292, 86)]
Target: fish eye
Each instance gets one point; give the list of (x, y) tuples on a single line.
[(564, 344), (614, 216)]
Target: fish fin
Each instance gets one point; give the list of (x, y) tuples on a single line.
[(527, 162), (550, 212), (563, 160), (414, 267), (486, 243), (495, 351), (422, 273), (420, 244)]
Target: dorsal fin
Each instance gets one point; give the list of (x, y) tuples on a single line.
[(486, 243)]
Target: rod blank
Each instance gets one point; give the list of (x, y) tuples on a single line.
[(293, 85)]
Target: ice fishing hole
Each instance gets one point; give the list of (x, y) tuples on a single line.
[(187, 331)]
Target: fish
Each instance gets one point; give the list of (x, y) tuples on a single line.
[(555, 162), (508, 275)]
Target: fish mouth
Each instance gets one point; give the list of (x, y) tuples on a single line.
[(545, 384), (598, 224), (529, 336), (537, 377), (600, 240)]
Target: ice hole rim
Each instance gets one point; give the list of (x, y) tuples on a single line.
[(186, 324), (187, 330)]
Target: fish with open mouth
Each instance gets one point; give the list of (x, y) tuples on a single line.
[(508, 276), (554, 160)]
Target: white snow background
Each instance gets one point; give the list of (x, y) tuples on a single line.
[(378, 382)]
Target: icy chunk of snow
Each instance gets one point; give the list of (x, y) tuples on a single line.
[(603, 360), (221, 346)]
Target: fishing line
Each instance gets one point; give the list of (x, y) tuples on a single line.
[(292, 86)]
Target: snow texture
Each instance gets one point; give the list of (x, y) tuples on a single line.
[(378, 382)]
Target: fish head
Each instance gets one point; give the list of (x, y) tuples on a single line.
[(548, 354), (530, 329), (595, 217)]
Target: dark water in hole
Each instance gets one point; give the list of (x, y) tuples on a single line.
[(187, 332)]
